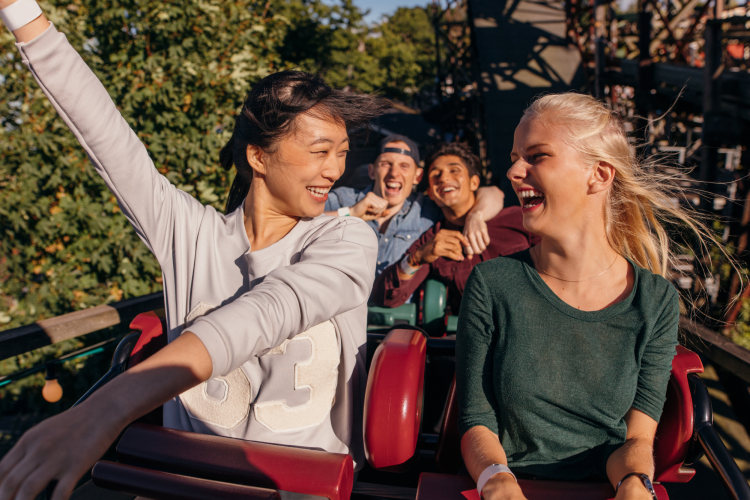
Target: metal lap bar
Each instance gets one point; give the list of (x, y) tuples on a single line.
[(716, 452)]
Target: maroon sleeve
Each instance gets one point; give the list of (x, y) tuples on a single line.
[(391, 291)]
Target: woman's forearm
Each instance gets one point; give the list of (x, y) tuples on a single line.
[(635, 455), (480, 448), (179, 366), (490, 200)]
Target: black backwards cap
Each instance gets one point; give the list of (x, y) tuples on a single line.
[(414, 153)]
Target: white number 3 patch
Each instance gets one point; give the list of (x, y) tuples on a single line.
[(318, 374)]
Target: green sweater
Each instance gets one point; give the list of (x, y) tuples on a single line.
[(555, 382)]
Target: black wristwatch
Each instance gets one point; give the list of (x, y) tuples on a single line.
[(644, 479)]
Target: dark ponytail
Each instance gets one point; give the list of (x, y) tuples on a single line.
[(269, 112)]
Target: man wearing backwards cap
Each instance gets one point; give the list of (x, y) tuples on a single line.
[(398, 216)]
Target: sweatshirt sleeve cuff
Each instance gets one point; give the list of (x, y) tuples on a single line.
[(214, 344)]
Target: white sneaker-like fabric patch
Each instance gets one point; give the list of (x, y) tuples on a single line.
[(319, 374), (233, 407)]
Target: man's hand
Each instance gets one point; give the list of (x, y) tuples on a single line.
[(502, 487), (370, 207), (475, 231), (445, 243)]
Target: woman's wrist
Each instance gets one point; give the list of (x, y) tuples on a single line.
[(498, 484), (632, 488)]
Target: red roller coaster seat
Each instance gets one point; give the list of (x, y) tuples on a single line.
[(165, 464), (393, 400), (673, 438)]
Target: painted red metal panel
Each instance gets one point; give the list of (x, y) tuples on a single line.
[(311, 472), (164, 486)]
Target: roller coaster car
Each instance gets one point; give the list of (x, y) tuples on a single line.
[(430, 314), (163, 464)]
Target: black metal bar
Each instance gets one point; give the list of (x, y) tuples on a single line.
[(27, 338), (645, 76), (711, 101), (71, 355), (119, 364), (703, 431)]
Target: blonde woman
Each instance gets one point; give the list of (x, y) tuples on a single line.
[(564, 350)]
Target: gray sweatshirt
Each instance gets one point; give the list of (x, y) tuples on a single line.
[(285, 326)]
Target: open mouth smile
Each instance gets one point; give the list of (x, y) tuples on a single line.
[(319, 194), (531, 199), (393, 187), (448, 189)]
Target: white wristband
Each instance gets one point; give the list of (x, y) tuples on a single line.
[(489, 472), (19, 14), (344, 212), (406, 267)]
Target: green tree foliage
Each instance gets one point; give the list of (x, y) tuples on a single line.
[(178, 72), (405, 51), (395, 57)]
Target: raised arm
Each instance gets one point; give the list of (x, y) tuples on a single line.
[(490, 201), (146, 197)]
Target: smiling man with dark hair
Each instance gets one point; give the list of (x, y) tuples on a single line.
[(453, 176)]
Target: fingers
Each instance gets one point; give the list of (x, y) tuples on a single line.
[(16, 485), (451, 249), (64, 488), (11, 459), (33, 485)]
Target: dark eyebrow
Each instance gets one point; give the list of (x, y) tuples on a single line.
[(326, 140)]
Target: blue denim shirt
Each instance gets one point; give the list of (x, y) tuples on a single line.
[(418, 214)]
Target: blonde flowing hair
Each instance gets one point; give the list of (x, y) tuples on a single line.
[(642, 198)]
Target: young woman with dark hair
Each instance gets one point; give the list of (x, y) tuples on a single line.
[(266, 305)]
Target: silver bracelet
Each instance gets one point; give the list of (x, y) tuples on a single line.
[(489, 472), (19, 14)]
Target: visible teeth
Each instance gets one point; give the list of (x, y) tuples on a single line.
[(531, 193), (319, 191), (449, 189), (533, 196), (393, 185)]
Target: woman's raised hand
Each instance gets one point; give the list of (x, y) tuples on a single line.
[(61, 448)]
